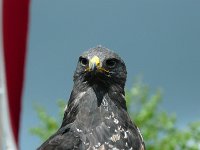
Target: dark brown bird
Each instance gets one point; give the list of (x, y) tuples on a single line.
[(96, 116)]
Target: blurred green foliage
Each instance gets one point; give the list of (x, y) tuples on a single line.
[(157, 126)]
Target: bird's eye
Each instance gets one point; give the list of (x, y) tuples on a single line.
[(111, 63), (83, 61)]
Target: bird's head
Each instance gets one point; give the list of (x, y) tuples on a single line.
[(102, 66)]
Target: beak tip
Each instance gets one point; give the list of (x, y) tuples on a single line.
[(93, 67), (94, 63)]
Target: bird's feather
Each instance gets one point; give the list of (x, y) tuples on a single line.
[(96, 116)]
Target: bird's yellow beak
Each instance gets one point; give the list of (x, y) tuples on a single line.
[(94, 63)]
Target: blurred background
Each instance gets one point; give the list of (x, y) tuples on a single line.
[(158, 40)]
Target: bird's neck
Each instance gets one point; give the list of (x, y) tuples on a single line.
[(114, 90), (86, 100)]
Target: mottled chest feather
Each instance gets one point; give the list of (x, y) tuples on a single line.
[(107, 127)]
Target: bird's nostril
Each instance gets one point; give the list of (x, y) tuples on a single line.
[(93, 67)]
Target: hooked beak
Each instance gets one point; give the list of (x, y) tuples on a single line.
[(94, 63), (95, 66)]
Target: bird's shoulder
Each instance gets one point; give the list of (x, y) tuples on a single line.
[(63, 139)]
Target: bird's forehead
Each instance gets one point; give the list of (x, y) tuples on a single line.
[(101, 52)]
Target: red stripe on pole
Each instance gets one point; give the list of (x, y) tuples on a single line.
[(15, 27)]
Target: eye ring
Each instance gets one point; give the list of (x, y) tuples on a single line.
[(83, 61), (111, 63)]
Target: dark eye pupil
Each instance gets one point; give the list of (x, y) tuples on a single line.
[(111, 63), (83, 61)]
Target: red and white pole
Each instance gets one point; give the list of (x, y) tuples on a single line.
[(7, 141), (13, 45)]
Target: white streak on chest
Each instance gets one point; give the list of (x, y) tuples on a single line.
[(115, 137), (116, 121), (76, 100)]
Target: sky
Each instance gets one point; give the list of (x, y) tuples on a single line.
[(157, 39)]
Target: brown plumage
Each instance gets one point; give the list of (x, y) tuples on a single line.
[(96, 117)]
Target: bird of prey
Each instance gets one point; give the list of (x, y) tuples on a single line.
[(96, 116)]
